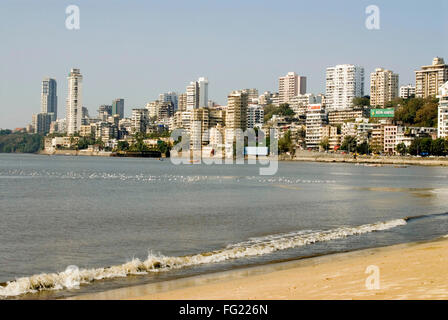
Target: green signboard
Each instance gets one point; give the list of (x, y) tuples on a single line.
[(382, 113)]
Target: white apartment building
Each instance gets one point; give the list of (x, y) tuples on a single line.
[(383, 87), (74, 101), (255, 116), (197, 94), (407, 92), (442, 129), (316, 118), (300, 102), (343, 83), (290, 86)]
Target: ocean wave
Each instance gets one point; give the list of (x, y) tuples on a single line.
[(73, 277)]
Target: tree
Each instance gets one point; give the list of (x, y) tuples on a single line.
[(285, 143), (349, 144), (122, 146), (361, 101), (426, 116), (439, 147), (417, 111), (283, 110), (420, 146), (325, 144), (402, 149), (363, 148)]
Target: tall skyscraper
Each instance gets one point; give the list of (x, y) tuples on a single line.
[(344, 82), (383, 87), (197, 94), (118, 107), (203, 92), (74, 101), (290, 86), (49, 98), (429, 79)]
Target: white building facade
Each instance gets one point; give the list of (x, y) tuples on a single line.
[(74, 101), (343, 83), (442, 128)]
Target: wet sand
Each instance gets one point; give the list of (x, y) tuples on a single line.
[(408, 271)]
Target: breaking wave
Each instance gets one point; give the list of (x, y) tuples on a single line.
[(73, 277)]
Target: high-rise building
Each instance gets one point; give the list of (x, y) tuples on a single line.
[(316, 118), (104, 112), (41, 123), (252, 94), (255, 116), (74, 101), (407, 92), (170, 97), (139, 120), (203, 92), (118, 107), (199, 124), (160, 109), (383, 87), (49, 98), (236, 113), (197, 94), (182, 102), (344, 82), (301, 102), (442, 128), (429, 79), (290, 86)]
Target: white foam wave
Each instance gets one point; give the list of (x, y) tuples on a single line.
[(73, 277)]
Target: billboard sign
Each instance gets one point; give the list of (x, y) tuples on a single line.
[(382, 113)]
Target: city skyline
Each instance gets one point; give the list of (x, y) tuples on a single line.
[(145, 72)]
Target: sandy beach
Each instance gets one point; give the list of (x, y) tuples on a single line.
[(406, 271), (418, 271)]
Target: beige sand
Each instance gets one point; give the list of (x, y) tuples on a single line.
[(417, 271)]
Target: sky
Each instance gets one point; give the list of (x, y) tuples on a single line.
[(138, 49)]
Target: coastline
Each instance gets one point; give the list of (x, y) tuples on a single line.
[(303, 157), (407, 271)]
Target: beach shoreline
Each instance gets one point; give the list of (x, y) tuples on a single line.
[(416, 270), (303, 157)]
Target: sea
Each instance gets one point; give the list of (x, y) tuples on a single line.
[(73, 225)]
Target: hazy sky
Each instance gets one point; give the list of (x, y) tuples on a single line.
[(138, 49)]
